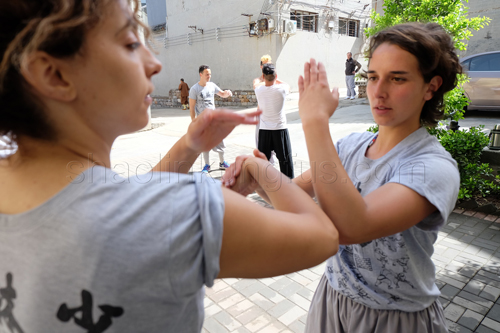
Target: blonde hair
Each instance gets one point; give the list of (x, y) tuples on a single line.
[(265, 59)]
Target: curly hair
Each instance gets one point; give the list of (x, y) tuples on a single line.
[(57, 27), (435, 53)]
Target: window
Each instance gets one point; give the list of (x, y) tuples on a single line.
[(348, 27), (306, 21), (487, 62)]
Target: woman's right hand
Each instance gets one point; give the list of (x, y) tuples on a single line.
[(242, 182)]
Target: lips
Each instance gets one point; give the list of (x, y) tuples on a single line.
[(148, 99), (381, 109)]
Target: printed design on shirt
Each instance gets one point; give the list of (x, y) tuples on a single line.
[(85, 320), (8, 322), (205, 100), (387, 262)]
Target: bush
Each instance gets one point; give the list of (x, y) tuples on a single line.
[(466, 148)]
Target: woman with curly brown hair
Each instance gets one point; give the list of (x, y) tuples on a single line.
[(82, 247), (387, 193)]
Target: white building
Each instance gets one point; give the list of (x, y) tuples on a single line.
[(231, 35)]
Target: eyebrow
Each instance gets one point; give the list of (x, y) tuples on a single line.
[(392, 72), (130, 23)]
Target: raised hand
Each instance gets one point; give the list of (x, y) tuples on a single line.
[(315, 99), (212, 126)]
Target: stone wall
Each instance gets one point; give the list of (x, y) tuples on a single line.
[(240, 98)]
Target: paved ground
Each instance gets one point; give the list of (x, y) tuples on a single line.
[(467, 252)]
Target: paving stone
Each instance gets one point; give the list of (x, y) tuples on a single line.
[(271, 295), (456, 328), (281, 308), (484, 329), (448, 292), (468, 271), (261, 301), (458, 210), (227, 321), (469, 212), (471, 305), (449, 280), (250, 314), (259, 323), (230, 301), (223, 294), (472, 249), (472, 258), (300, 301), (490, 293), (489, 275), (291, 315), (297, 327), (480, 215), (290, 289), (476, 299), (474, 287), (280, 284), (252, 289), (444, 302), (212, 310), (239, 308), (484, 253), (490, 323), (440, 284), (306, 293), (470, 319), (213, 326), (466, 239), (274, 327), (494, 312), (453, 312)]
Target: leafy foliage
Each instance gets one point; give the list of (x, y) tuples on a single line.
[(452, 16), (466, 148)]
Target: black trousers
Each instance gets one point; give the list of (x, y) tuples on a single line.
[(279, 141)]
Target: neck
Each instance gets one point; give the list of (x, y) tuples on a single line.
[(202, 83), (269, 83), (387, 139)]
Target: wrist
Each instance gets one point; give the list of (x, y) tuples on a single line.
[(187, 148)]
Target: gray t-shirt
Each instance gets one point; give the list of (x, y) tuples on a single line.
[(109, 254), (396, 272), (204, 96)]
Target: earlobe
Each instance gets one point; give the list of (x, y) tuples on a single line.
[(45, 75), (434, 85)]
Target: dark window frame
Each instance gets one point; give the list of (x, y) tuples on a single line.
[(306, 21), (348, 27)]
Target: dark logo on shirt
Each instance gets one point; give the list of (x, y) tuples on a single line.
[(85, 319)]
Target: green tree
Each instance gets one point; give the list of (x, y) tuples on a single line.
[(451, 15)]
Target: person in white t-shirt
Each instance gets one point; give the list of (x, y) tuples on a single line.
[(273, 133)]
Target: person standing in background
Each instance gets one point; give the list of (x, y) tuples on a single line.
[(351, 68), (201, 97), (184, 88)]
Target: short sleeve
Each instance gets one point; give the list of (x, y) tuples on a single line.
[(217, 89), (436, 178), (196, 235), (192, 93)]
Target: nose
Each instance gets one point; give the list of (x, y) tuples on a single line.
[(380, 89), (153, 65)]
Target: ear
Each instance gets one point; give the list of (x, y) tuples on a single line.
[(46, 75), (434, 85)]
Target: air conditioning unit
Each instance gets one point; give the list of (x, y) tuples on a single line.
[(289, 27)]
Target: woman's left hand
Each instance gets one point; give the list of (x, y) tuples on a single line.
[(212, 126), (315, 99)]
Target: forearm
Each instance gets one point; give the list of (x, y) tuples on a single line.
[(276, 188), (334, 190), (180, 158)]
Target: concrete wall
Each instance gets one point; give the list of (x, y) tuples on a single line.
[(234, 57), (488, 38), (157, 12)]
